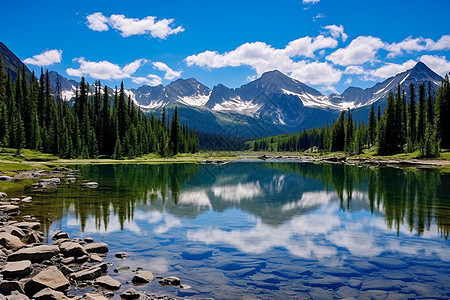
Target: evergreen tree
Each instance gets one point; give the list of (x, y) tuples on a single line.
[(412, 119), (372, 130), (421, 115)]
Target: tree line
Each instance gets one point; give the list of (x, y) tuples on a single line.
[(407, 124), (35, 117)]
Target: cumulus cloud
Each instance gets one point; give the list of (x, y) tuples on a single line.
[(361, 50), (410, 45), (133, 26), (104, 69), (262, 58), (97, 22), (169, 73), (354, 70), (151, 79), (46, 58), (390, 69), (337, 31), (310, 1)]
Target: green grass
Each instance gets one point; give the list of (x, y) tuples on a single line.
[(16, 188), (9, 154)]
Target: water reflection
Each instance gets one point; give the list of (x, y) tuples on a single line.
[(277, 194)]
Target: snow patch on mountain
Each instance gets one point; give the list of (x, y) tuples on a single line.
[(195, 100)]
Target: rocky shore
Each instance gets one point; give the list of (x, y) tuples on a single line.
[(65, 267)]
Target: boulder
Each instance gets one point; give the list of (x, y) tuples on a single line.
[(9, 209), (131, 293), (50, 277), (96, 248), (14, 230), (72, 249), (88, 240), (82, 259), (17, 269), (95, 258), (10, 241), (143, 277), (3, 195), (171, 280), (61, 235), (122, 268), (49, 294), (34, 254), (89, 274), (108, 283), (28, 225), (32, 238)]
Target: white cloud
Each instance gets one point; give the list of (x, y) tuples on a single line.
[(97, 22), (390, 69), (169, 73), (439, 64), (361, 50), (151, 79), (410, 45), (354, 70), (262, 58), (319, 16), (348, 81), (104, 69), (133, 26), (46, 58), (337, 31), (306, 46), (310, 1)]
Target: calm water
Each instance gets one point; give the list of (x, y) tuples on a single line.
[(275, 230)]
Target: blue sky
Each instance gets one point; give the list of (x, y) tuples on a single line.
[(328, 44)]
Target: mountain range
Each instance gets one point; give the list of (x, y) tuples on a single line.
[(272, 104)]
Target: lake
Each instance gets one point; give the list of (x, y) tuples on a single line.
[(265, 230)]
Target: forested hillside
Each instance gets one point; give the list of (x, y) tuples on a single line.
[(35, 117)]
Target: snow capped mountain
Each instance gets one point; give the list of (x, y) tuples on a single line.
[(420, 73)]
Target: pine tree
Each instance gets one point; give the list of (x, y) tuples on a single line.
[(3, 80), (372, 130), (421, 115), (412, 119)]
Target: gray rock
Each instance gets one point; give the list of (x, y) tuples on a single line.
[(329, 282), (9, 286), (108, 283), (49, 294), (8, 209), (89, 274), (10, 241), (50, 277), (60, 235), (196, 253), (96, 248), (15, 295), (70, 180), (143, 277), (404, 276), (171, 280), (388, 263), (27, 226), (5, 178), (122, 255), (320, 294), (48, 185), (131, 293), (88, 240), (50, 180), (354, 283), (17, 269), (347, 292), (66, 270), (82, 259), (3, 195), (95, 258), (382, 285), (341, 272), (72, 249), (91, 296), (32, 237), (14, 230), (26, 199), (34, 254)]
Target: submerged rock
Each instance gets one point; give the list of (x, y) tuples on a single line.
[(382, 285), (196, 253), (171, 280), (122, 255), (388, 263), (91, 185), (131, 293)]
